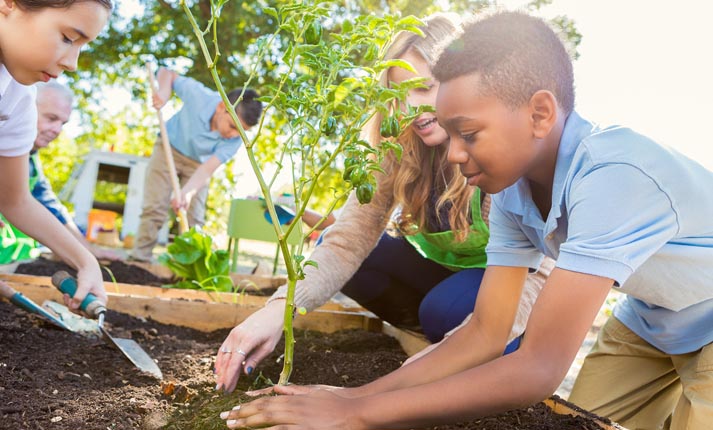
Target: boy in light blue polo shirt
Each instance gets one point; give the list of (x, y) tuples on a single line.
[(202, 137), (610, 205)]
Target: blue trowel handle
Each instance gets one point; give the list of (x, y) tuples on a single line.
[(18, 299), (68, 285)]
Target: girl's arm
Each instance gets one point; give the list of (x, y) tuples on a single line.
[(345, 246), (348, 242), (28, 215)]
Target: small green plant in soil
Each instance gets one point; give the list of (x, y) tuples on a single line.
[(330, 89), (197, 265)]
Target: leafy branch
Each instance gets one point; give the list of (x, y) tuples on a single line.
[(328, 92)]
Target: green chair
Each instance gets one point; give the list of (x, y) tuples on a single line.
[(247, 221)]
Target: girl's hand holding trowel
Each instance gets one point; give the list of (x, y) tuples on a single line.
[(89, 280)]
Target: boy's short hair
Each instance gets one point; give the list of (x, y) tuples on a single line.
[(250, 108), (514, 54)]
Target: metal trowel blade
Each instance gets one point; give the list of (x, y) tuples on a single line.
[(135, 354)]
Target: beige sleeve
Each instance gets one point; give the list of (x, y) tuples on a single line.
[(346, 245)]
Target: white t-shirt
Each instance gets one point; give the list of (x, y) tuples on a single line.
[(18, 116)]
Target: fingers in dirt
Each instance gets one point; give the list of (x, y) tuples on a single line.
[(259, 413)]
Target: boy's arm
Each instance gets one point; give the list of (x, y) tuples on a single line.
[(199, 178), (560, 319), (480, 340), (28, 215)]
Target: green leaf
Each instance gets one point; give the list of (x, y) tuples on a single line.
[(270, 11)]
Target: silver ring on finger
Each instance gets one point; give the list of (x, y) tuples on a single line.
[(241, 352), (226, 350)]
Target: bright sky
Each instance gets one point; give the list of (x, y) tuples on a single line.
[(646, 65)]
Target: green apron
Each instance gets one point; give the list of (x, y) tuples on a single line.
[(14, 244), (443, 249)]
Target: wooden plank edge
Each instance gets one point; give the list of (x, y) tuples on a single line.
[(174, 293), (411, 342)]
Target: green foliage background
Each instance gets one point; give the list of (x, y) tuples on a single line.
[(159, 32)]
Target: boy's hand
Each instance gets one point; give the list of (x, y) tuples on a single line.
[(105, 254), (180, 201), (159, 99)]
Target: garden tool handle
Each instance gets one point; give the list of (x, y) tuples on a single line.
[(68, 285), (22, 302), (16, 298), (181, 215)]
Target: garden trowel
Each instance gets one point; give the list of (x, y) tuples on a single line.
[(93, 307)]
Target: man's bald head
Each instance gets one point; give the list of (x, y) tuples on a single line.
[(54, 106)]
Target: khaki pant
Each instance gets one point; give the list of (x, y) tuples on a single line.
[(157, 199), (631, 382)]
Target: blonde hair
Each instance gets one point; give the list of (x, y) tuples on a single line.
[(423, 168)]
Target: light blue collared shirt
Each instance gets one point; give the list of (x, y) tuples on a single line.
[(629, 209), (189, 129)]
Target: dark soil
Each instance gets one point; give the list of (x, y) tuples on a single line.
[(53, 379), (121, 272)]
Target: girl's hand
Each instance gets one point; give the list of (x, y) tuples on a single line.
[(321, 410), (248, 343), (89, 280)]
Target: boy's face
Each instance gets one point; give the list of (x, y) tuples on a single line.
[(39, 45), (223, 123), (491, 142)]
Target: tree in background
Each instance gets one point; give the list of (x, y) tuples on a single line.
[(159, 30)]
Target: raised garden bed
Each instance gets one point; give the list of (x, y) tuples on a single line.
[(52, 379)]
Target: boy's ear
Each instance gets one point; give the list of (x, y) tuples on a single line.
[(544, 110), (6, 6)]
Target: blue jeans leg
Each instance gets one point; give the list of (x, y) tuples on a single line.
[(393, 280)]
